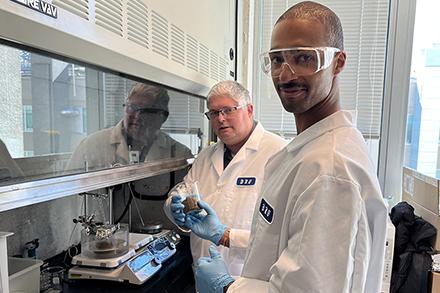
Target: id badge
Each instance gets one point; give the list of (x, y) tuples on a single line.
[(133, 157)]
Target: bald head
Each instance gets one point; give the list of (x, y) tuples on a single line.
[(314, 11)]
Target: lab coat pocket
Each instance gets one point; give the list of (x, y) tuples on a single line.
[(263, 249)]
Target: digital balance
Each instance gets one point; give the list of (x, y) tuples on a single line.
[(109, 252)]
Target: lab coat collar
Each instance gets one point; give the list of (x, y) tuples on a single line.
[(117, 139), (334, 121), (217, 157), (251, 144), (116, 135)]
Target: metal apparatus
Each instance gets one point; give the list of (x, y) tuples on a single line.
[(105, 241), (145, 256), (110, 252)]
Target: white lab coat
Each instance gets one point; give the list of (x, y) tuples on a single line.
[(108, 147), (234, 204), (324, 222)]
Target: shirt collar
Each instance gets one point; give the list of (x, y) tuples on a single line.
[(336, 120)]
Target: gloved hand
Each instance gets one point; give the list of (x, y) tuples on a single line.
[(211, 273), (176, 208), (207, 226)]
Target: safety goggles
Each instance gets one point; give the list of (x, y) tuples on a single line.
[(226, 111), (132, 108), (301, 61)]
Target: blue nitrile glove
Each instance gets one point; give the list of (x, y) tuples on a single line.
[(211, 273), (207, 226), (176, 208)]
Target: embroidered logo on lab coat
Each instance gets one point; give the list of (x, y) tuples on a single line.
[(246, 181), (266, 211)]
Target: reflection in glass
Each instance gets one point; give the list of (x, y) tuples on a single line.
[(8, 168), (51, 108), (135, 138)]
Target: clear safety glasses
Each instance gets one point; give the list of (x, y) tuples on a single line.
[(301, 61), (226, 111), (132, 109)]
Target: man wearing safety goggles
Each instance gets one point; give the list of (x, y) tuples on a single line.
[(320, 221), (302, 61), (302, 76), (136, 138)]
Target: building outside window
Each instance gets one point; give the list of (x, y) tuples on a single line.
[(423, 121), (27, 118)]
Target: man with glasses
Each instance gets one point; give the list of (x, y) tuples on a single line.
[(320, 222), (229, 174), (136, 138)]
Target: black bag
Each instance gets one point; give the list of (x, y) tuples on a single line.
[(413, 243)]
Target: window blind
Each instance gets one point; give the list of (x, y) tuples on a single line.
[(185, 114), (365, 25)]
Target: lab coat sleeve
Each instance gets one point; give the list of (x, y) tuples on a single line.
[(77, 159), (182, 151), (248, 285), (239, 238), (322, 244)]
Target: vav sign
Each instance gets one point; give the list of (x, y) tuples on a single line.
[(40, 6)]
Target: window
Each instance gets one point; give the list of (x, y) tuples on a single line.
[(409, 128), (27, 118), (423, 121), (52, 106), (365, 25)]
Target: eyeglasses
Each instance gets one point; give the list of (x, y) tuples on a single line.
[(301, 61), (132, 108), (226, 111)]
